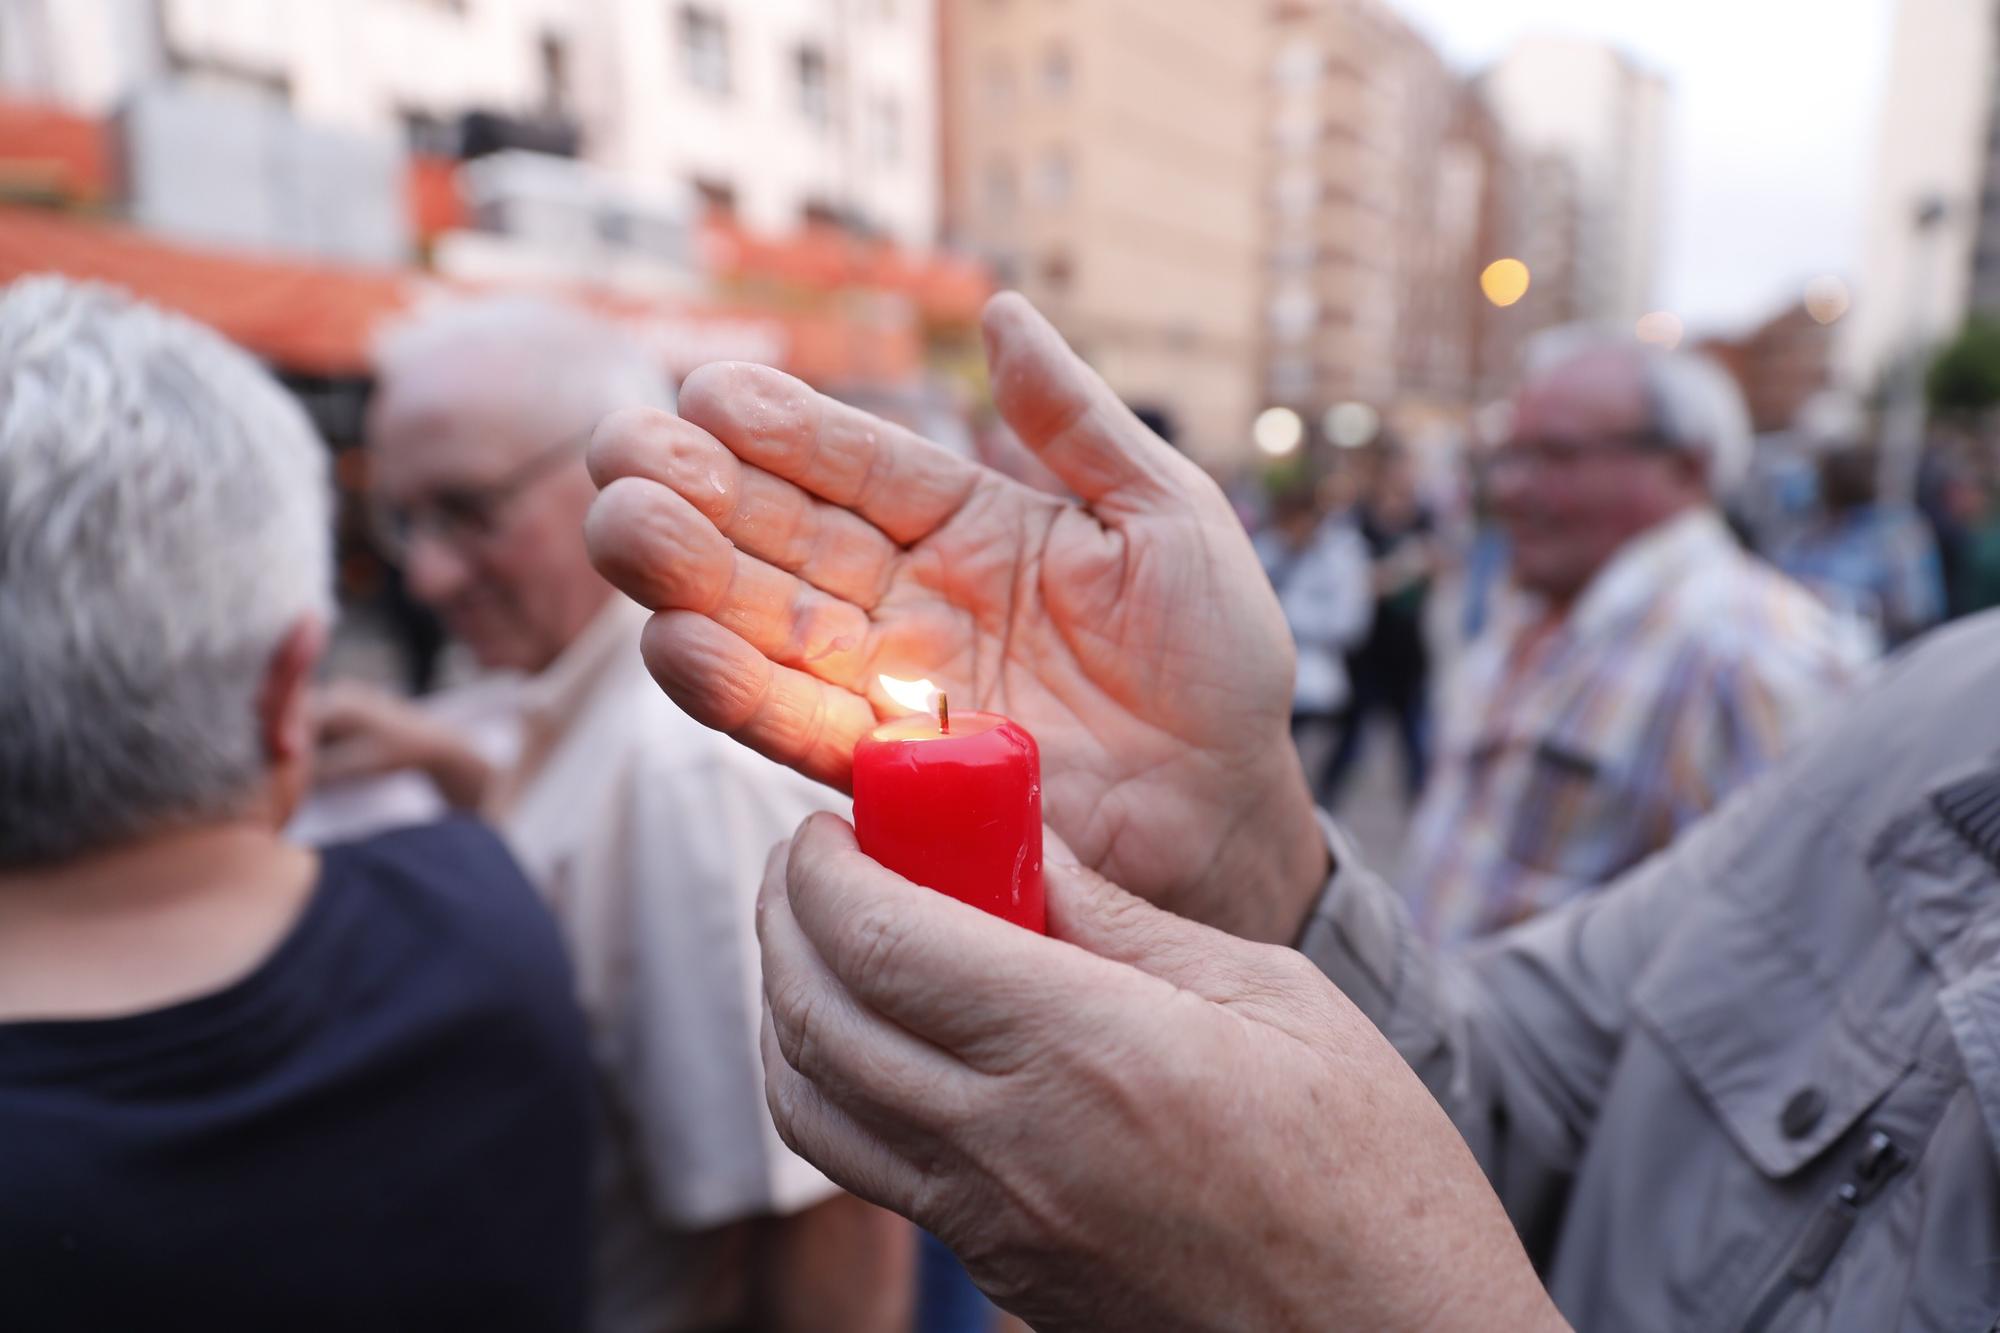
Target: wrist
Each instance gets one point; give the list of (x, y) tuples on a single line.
[(460, 774), (1276, 862)]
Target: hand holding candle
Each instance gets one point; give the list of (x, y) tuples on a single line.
[(954, 802)]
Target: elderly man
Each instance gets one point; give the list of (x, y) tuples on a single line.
[(1752, 1086), (243, 1084), (646, 832), (1652, 666)]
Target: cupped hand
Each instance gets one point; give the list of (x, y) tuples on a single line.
[(1139, 1124), (796, 548)]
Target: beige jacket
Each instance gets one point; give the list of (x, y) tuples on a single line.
[(1755, 1085)]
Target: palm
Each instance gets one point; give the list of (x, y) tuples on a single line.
[(798, 548)]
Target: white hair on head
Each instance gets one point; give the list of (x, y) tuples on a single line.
[(165, 519), (1692, 403), (564, 358)]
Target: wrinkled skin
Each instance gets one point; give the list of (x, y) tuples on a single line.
[(1140, 1124), (796, 548)]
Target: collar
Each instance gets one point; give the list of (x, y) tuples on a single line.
[(1931, 866), (1632, 580)]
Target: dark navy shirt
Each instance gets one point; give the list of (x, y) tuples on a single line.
[(382, 1128)]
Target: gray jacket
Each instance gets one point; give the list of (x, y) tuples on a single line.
[(1755, 1085)]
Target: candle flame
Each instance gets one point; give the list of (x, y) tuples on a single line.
[(919, 696)]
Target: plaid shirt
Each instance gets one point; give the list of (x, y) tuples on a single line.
[(1569, 753)]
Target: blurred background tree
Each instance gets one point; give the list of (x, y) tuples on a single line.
[(1964, 379)]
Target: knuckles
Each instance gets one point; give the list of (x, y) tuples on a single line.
[(621, 439)]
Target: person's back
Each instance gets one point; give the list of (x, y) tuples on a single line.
[(242, 1084), (380, 1126)]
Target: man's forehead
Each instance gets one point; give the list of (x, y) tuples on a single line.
[(1597, 391), (438, 422)]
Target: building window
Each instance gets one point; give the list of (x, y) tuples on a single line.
[(705, 49), (1001, 188), (885, 131), (1053, 177), (1055, 73), (1294, 256), (554, 58), (430, 135), (1297, 192), (1296, 129), (1293, 313), (815, 92), (719, 196), (997, 85), (1298, 64), (1057, 273)]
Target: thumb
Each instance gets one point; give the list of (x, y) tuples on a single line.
[(1069, 417), (1089, 911)]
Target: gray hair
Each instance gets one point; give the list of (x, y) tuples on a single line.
[(165, 519), (574, 363), (1692, 403)]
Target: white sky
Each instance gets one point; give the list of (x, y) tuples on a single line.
[(1771, 135)]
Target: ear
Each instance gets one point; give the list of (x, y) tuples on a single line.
[(284, 706), (1690, 470)]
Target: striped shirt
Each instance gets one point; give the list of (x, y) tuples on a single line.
[(1571, 752)]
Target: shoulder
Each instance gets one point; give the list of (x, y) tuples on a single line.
[(451, 897), (1743, 617), (457, 866), (1925, 711)]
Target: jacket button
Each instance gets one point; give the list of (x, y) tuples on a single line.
[(1802, 1112)]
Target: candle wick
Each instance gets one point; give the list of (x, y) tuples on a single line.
[(944, 714)]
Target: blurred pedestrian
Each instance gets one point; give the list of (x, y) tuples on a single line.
[(646, 833), (1392, 667), (1875, 564), (1485, 560), (243, 1084), (1319, 566), (1975, 504), (1650, 667)]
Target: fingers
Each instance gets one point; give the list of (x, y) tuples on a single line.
[(885, 1076), (850, 1156), (770, 518), (784, 714), (981, 988), (1069, 417), (1089, 911), (649, 541), (902, 484)]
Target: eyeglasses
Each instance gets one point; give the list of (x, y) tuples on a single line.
[(1522, 456), (463, 517)]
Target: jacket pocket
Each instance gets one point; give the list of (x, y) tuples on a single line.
[(1787, 1056)]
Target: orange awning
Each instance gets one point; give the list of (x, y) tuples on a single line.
[(307, 317), (947, 289), (54, 153), (321, 318)]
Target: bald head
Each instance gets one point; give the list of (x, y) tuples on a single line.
[(525, 358), (1611, 439), (476, 435)]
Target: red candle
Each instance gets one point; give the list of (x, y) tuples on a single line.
[(953, 801)]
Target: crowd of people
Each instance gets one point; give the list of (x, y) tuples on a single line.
[(564, 997)]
